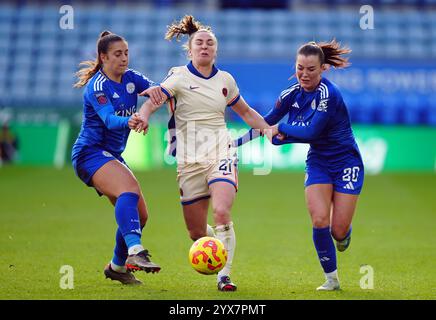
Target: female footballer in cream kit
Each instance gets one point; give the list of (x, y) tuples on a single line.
[(199, 94)]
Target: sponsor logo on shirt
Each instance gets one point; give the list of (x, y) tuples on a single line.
[(300, 123), (193, 87), (115, 96), (295, 105), (126, 112)]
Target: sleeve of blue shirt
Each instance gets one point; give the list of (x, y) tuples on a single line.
[(275, 115), (314, 128), (277, 112), (141, 82), (272, 117), (103, 107)]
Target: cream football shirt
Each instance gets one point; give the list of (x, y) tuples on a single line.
[(197, 105)]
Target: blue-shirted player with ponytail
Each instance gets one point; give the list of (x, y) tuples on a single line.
[(110, 98), (334, 169)]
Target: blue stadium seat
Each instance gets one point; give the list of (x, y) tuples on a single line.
[(7, 12), (24, 42), (22, 59), (43, 85), (25, 27), (5, 47), (6, 28), (242, 34), (19, 82), (48, 27)]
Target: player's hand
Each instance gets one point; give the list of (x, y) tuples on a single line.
[(156, 95), (142, 127), (275, 130), (280, 136), (134, 121), (270, 132), (137, 123)]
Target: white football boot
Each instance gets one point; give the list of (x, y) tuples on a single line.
[(331, 284)]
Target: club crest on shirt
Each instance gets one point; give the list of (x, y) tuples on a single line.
[(130, 87), (101, 98), (322, 106), (107, 154), (225, 92), (313, 105)]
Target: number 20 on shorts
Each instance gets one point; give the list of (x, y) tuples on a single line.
[(351, 174)]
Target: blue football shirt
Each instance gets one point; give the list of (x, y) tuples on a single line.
[(107, 108), (319, 118)]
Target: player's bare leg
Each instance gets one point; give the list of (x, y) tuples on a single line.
[(344, 206), (223, 195), (195, 215)]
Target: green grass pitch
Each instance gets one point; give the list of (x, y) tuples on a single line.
[(48, 219)]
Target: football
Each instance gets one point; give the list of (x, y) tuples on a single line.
[(208, 255)]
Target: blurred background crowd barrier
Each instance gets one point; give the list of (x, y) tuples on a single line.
[(389, 88)]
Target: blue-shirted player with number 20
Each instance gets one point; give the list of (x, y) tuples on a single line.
[(110, 99), (334, 169)]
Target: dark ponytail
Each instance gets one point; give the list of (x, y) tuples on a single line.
[(91, 67), (328, 52)]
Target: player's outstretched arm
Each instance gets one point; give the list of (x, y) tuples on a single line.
[(249, 115), (250, 135), (308, 132), (155, 93), (143, 116)]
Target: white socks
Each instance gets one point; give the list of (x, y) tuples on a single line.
[(117, 268), (332, 275), (135, 249), (226, 234), (210, 232)]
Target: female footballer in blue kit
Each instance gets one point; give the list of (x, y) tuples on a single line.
[(334, 169), (110, 99)]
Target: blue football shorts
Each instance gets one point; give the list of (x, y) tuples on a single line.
[(89, 160), (346, 175)]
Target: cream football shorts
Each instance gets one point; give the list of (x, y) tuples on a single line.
[(195, 178)]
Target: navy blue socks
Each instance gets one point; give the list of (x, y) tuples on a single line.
[(325, 248)]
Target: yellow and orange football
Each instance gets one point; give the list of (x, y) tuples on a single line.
[(208, 255)]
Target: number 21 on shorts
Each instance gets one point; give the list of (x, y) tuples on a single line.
[(226, 166)]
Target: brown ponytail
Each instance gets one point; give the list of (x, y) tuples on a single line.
[(91, 67), (328, 52), (187, 25)]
